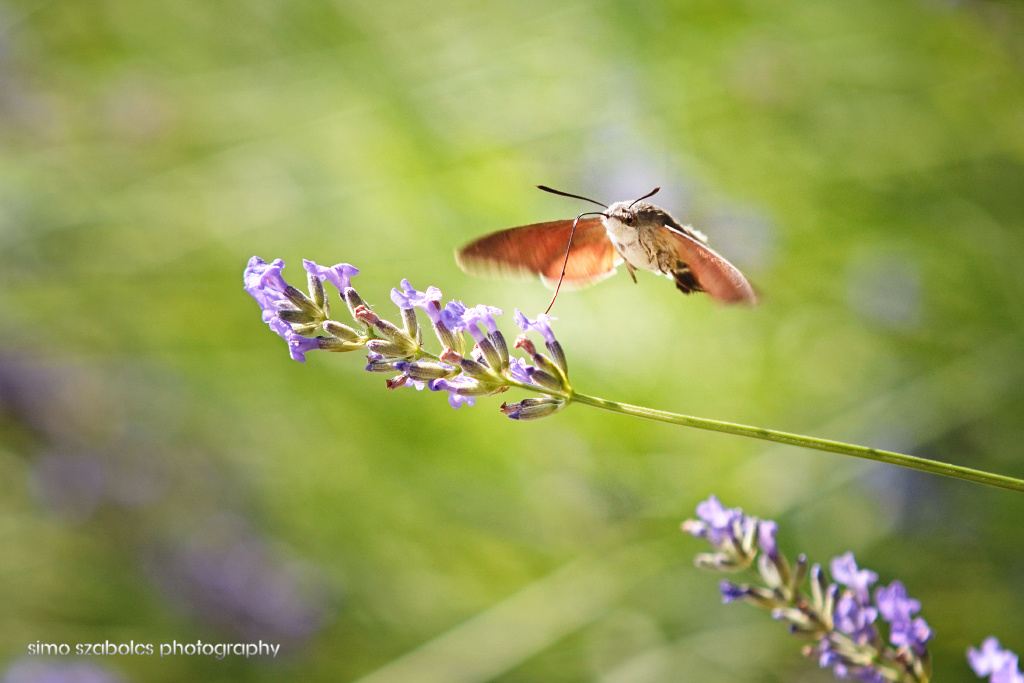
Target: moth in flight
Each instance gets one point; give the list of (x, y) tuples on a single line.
[(589, 248)]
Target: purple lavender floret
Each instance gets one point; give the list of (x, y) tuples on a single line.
[(994, 661), (520, 370), (766, 532), (452, 386), (298, 346), (844, 571), (913, 634), (542, 325), (452, 315), (894, 604), (408, 297), (338, 275), (264, 282), (897, 608), (719, 521), (828, 657), (480, 315), (856, 619)]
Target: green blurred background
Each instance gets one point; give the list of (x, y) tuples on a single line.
[(168, 473)]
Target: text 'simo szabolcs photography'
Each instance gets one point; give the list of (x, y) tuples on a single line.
[(314, 367)]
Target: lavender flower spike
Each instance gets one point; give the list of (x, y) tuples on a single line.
[(306, 324), (842, 623)]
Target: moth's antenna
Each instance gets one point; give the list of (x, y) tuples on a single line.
[(568, 247), (649, 194), (574, 196)]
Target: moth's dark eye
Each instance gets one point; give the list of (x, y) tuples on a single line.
[(629, 220)]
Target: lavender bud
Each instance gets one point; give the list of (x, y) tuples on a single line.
[(558, 355), (533, 408), (544, 364), (523, 342), (354, 301), (388, 349), (488, 351), (344, 332), (412, 325), (498, 340), (302, 301), (307, 330), (462, 386), (819, 586), (397, 336), (476, 369), (732, 592), (769, 572), (721, 562), (295, 316), (316, 291), (336, 345), (546, 379), (448, 338), (424, 371)]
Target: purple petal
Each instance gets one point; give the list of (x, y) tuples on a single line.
[(542, 324), (720, 520), (456, 401), (854, 618), (338, 275), (894, 604), (1009, 673), (990, 658), (520, 370), (452, 315), (482, 315), (298, 345), (913, 634), (263, 281), (766, 532), (452, 386), (844, 570), (407, 297)]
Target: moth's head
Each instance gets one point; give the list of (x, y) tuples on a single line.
[(635, 214)]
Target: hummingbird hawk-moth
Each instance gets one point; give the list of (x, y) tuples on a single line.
[(583, 251)]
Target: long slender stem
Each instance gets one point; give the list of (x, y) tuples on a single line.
[(913, 462)]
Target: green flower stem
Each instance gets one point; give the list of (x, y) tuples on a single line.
[(900, 459)]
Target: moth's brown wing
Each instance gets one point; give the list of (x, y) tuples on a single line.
[(539, 249), (716, 276)]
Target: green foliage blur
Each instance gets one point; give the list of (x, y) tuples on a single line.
[(168, 473)]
